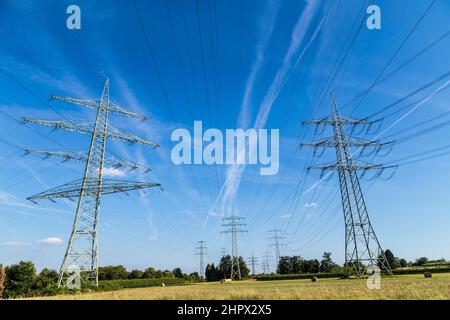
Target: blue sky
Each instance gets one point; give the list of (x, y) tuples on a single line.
[(257, 64)]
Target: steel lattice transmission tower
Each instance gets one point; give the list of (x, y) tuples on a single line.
[(254, 261), (81, 257), (265, 262), (201, 252), (223, 252), (276, 240), (362, 248), (233, 227)]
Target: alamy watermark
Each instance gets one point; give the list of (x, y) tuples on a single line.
[(73, 21), (374, 279), (74, 280), (241, 147), (374, 20)]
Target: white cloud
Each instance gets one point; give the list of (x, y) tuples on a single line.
[(231, 185), (311, 205), (15, 244), (52, 241), (153, 237), (286, 216), (113, 172)]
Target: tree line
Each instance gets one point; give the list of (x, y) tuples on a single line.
[(299, 265), (22, 279), (223, 270)]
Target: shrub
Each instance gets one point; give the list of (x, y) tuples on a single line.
[(110, 285), (269, 277)]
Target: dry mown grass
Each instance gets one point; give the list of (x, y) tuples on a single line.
[(400, 287)]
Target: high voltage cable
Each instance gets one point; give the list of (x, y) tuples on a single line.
[(213, 22), (409, 95), (403, 65), (420, 154), (420, 124), (185, 87), (178, 57), (194, 78), (205, 78), (289, 102), (153, 59), (291, 156), (40, 100), (402, 44), (20, 84)]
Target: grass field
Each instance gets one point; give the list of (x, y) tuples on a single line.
[(398, 287)]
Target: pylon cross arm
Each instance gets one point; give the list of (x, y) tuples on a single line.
[(73, 189), (331, 143), (355, 165), (343, 120), (110, 160), (95, 103), (87, 128)]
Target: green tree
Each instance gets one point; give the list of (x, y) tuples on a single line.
[(46, 282), (421, 261), (285, 265), (135, 274), (225, 267), (149, 273), (192, 277), (112, 273), (167, 274), (177, 273), (297, 264), (327, 264), (212, 273), (20, 279), (311, 266), (390, 259), (402, 263)]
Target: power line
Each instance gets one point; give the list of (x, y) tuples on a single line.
[(201, 252), (153, 59), (400, 67), (409, 95), (399, 48), (234, 227), (253, 262), (362, 247), (277, 241), (81, 257)]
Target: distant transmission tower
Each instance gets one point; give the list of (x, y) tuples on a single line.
[(265, 262), (276, 240), (223, 252), (201, 252), (253, 262), (362, 248), (233, 228), (81, 257)]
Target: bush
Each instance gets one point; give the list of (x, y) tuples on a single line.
[(269, 277), (418, 270), (110, 285), (20, 279)]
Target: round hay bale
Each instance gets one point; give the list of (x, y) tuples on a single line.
[(427, 274), (163, 285), (314, 279)]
